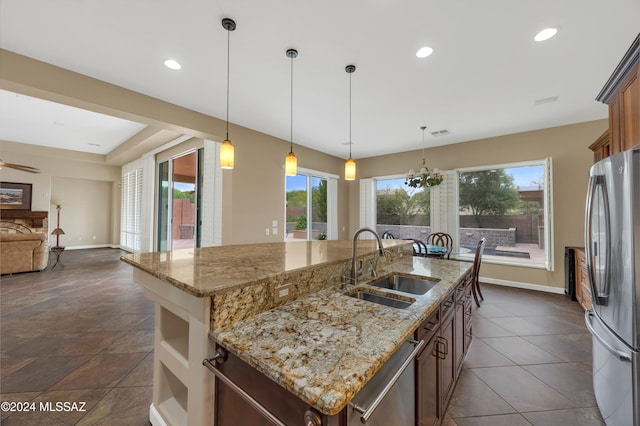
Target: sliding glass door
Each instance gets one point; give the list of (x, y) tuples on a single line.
[(179, 202), (306, 209)]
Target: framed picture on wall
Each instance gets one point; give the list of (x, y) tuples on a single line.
[(15, 196)]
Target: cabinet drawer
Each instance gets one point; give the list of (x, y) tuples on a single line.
[(460, 291), (447, 304), (429, 327)]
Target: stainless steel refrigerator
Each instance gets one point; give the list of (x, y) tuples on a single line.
[(612, 246)]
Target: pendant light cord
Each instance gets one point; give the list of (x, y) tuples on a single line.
[(291, 117), (228, 60), (423, 157), (350, 142)]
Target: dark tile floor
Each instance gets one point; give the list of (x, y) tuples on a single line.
[(81, 334), (85, 334), (529, 363)]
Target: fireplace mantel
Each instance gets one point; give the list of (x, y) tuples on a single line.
[(36, 217)]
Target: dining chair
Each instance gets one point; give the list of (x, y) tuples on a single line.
[(387, 236), (419, 248), (475, 285), (441, 239)]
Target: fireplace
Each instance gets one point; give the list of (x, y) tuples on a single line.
[(15, 221)]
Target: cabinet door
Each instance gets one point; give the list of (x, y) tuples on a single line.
[(447, 362), (614, 125), (458, 343), (630, 112), (427, 385)]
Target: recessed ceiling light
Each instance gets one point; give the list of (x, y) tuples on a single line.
[(545, 34), (173, 64), (423, 52)]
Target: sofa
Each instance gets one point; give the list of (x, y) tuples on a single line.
[(23, 252)]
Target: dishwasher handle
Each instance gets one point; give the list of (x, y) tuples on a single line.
[(221, 356), (367, 412)]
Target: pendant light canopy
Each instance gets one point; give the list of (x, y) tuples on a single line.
[(350, 165), (226, 150), (291, 162)]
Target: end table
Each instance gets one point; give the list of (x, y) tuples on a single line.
[(57, 250)]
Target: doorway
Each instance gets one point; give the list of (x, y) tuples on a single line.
[(179, 202)]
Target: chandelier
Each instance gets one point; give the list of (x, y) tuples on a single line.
[(424, 178)]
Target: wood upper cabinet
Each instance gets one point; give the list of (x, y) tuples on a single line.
[(601, 147), (622, 94)]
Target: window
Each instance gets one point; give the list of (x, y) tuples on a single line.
[(131, 210), (311, 209), (510, 206), (402, 211)]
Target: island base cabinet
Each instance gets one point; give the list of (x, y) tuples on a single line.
[(438, 366), (232, 410), (447, 359), (427, 412)]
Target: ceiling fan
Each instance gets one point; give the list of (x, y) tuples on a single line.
[(18, 167)]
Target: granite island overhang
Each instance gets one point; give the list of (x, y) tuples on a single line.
[(228, 292)]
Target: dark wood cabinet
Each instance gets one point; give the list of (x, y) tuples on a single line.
[(447, 367), (427, 392), (448, 335), (622, 94), (601, 147)]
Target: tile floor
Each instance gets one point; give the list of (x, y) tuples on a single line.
[(85, 334), (529, 363), (79, 334)]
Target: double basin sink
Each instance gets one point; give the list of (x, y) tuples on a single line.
[(398, 283)]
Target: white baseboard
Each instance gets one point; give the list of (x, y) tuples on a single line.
[(155, 418), (91, 247), (526, 286)]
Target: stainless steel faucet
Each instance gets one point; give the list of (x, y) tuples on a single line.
[(354, 269)]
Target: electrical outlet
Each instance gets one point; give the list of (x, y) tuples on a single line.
[(274, 223), (274, 231), (266, 231), (283, 292)]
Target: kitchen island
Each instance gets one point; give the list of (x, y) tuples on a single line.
[(281, 309)]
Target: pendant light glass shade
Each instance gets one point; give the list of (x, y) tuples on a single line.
[(291, 162), (227, 156), (350, 170), (350, 164), (291, 165)]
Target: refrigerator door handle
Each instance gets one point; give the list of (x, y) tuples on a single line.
[(600, 295), (622, 356)]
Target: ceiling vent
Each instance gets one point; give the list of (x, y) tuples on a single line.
[(442, 132), (546, 100)]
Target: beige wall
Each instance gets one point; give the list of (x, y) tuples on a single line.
[(568, 148), (86, 215), (89, 190), (258, 184), (254, 192)]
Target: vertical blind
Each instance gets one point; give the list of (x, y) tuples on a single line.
[(131, 210)]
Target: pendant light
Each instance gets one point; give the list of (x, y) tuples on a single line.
[(291, 162), (350, 165), (226, 150), (424, 178)]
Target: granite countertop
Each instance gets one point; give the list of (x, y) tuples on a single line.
[(205, 271), (324, 347)]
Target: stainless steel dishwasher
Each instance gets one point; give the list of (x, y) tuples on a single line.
[(382, 402)]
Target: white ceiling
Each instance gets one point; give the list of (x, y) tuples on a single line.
[(482, 80)]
